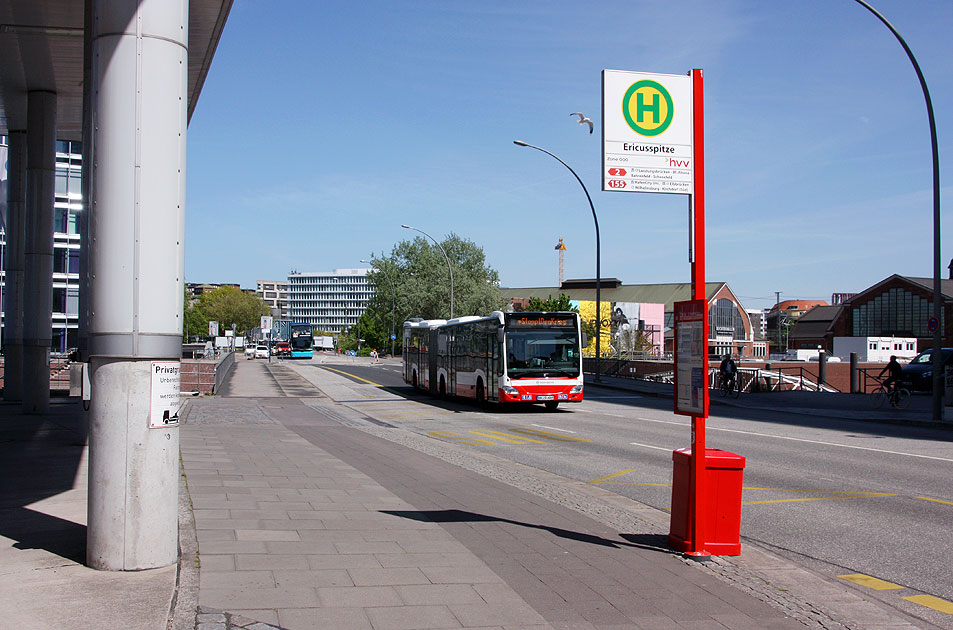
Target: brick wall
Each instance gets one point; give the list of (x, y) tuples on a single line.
[(198, 374)]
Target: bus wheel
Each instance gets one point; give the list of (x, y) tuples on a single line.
[(480, 394), (551, 405), (442, 389), (414, 380)]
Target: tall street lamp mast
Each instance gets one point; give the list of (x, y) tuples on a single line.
[(393, 305), (449, 267), (595, 219), (937, 292)]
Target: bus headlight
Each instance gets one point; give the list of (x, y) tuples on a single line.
[(577, 389), (510, 391)]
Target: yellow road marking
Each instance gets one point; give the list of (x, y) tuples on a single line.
[(940, 605), (627, 470), (627, 483), (854, 495), (352, 376), (936, 500), (462, 439), (870, 582), (550, 436), (507, 437)]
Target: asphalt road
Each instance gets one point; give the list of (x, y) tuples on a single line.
[(838, 496)]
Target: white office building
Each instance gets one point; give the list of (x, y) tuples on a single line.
[(331, 302), (275, 295)]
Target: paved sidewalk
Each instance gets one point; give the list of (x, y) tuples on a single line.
[(44, 584), (307, 523), (296, 513)]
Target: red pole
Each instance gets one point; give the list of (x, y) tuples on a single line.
[(698, 503)]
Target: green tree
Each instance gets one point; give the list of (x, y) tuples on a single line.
[(551, 304), (414, 281), (194, 321), (229, 305)]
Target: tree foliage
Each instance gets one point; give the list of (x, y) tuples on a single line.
[(226, 305), (414, 281), (551, 304)]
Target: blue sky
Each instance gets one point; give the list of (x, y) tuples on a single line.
[(323, 126)]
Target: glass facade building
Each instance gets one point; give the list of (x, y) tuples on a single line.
[(68, 203), (330, 302)]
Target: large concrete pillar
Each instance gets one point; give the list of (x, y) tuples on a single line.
[(38, 255), (136, 264), (13, 293)]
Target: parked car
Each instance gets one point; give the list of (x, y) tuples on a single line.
[(261, 351), (282, 349), (918, 374), (249, 352)]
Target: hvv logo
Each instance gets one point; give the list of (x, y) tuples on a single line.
[(677, 163)]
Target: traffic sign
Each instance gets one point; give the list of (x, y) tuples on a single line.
[(393, 337), (933, 324), (648, 143)]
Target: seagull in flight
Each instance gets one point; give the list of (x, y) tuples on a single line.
[(583, 120)]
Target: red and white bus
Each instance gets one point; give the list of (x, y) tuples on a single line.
[(505, 358)]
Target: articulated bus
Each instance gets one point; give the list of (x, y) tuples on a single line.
[(301, 341), (504, 358)]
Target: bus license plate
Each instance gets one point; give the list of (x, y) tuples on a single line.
[(545, 398)]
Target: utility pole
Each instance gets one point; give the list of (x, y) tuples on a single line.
[(777, 308)]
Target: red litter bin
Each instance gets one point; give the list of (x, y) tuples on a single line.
[(722, 502)]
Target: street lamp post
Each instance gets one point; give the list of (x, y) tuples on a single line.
[(393, 306), (937, 289), (449, 267), (595, 219)]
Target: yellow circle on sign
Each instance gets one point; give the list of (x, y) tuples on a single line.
[(648, 108)]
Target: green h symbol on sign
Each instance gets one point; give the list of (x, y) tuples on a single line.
[(642, 108), (648, 107)]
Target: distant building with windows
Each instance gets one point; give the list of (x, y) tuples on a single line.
[(329, 301), (275, 295), (730, 330), (67, 204), (897, 307)]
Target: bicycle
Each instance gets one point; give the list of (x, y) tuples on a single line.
[(729, 386), (899, 397)]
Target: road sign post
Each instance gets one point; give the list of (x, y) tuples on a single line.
[(653, 141)]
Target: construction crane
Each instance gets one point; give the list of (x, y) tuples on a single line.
[(561, 248)]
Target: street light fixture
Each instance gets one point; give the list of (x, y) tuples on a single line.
[(393, 306), (595, 219), (447, 258)]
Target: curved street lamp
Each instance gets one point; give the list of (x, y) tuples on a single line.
[(595, 219), (937, 292), (393, 305), (447, 258)]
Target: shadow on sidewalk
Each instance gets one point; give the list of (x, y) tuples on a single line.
[(39, 459), (652, 542)]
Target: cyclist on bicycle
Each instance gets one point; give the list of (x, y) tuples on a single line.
[(893, 370), (728, 370)]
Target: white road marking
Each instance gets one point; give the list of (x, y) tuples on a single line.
[(784, 437), (543, 426), (658, 448)]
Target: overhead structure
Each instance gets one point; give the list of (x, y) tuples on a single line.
[(136, 69)]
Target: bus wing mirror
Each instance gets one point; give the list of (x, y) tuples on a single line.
[(499, 335), (585, 340)]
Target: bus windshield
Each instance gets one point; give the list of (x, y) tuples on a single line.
[(538, 353), (301, 337)]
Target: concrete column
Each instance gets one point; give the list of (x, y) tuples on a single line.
[(38, 254), (136, 263), (13, 294)]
